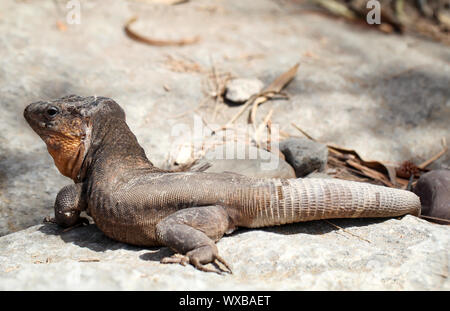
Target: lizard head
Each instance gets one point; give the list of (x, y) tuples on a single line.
[(65, 125)]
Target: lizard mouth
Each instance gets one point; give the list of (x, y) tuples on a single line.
[(37, 117), (33, 116)]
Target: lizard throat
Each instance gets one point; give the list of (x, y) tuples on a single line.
[(67, 153)]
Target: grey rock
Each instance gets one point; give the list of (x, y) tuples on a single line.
[(433, 188), (304, 155), (240, 90), (403, 254), (249, 161)]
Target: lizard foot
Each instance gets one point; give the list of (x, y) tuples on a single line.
[(177, 258), (82, 221), (193, 232), (198, 258), (206, 254), (49, 220)]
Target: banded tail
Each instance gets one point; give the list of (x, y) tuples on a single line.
[(281, 201)]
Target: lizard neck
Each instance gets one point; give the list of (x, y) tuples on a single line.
[(114, 148), (67, 153)]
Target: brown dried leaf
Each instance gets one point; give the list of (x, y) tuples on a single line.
[(370, 172), (156, 42), (280, 83), (384, 173)]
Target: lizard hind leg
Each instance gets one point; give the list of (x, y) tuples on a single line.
[(192, 233)]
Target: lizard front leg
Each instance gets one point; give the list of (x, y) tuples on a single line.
[(193, 232), (69, 203)]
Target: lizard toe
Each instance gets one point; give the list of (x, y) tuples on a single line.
[(203, 255), (177, 258)]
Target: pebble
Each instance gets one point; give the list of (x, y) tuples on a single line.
[(304, 155), (433, 188), (240, 90), (253, 162)]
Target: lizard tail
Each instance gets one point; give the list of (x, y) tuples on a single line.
[(283, 201)]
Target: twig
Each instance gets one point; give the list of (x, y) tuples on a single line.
[(403, 72), (336, 226), (436, 156), (435, 219), (244, 106), (262, 126), (89, 260), (183, 65), (370, 172), (279, 83), (303, 132), (267, 93), (156, 42), (269, 136), (219, 81)]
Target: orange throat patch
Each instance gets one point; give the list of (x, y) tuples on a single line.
[(67, 152)]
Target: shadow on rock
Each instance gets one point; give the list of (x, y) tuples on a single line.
[(91, 237), (157, 254), (318, 227), (87, 236)]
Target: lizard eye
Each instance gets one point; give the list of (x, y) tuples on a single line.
[(52, 111)]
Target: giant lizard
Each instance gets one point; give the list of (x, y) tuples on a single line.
[(132, 201)]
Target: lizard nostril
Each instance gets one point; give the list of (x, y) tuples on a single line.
[(26, 112), (28, 109)]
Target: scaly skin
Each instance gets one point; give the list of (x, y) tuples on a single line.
[(132, 201)]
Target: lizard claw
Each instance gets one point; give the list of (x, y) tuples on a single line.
[(204, 255), (223, 262), (82, 221), (49, 220), (192, 259)]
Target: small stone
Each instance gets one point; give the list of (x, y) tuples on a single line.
[(304, 155), (246, 160), (433, 188), (240, 90)]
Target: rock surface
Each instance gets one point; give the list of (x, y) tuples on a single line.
[(433, 188), (394, 254), (388, 106), (240, 90), (253, 162), (304, 155)]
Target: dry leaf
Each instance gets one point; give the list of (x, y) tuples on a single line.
[(279, 83), (155, 42)]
